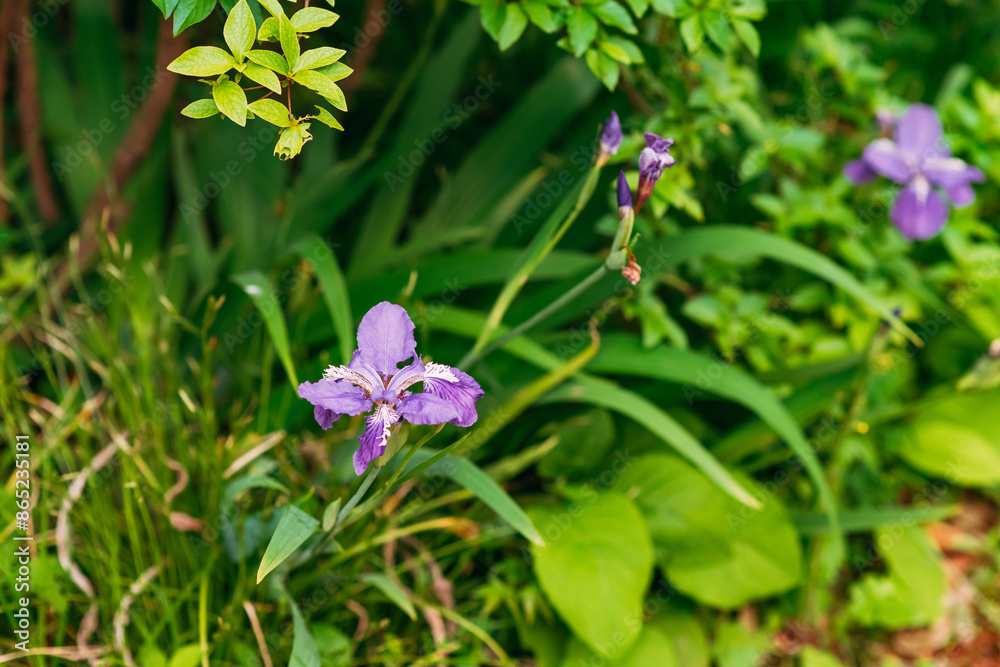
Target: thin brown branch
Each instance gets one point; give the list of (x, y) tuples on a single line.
[(28, 107), (7, 17), (364, 53)]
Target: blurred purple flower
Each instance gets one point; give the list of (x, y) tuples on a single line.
[(918, 159), (611, 137), (653, 159), (373, 379)]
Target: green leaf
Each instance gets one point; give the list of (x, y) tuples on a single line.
[(582, 27), (241, 484), (258, 287), (269, 59), (273, 7), (542, 15), (667, 7), (741, 242), (469, 475), (322, 85), (748, 35), (263, 76), (336, 71), (240, 30), (269, 30), (686, 633), (913, 592), (612, 13), (304, 651), (622, 50), (232, 101), (514, 23), (596, 568), (151, 656), (272, 111), (289, 42), (325, 117), (200, 109), (712, 548), (492, 14), (321, 57), (186, 656), (639, 7), (311, 19), (813, 657), (291, 141), (692, 33), (717, 28), (202, 61), (294, 528), (624, 355), (392, 591), (189, 12), (603, 67), (333, 286), (956, 438)]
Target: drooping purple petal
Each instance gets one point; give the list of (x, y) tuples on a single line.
[(961, 195), (883, 157), (427, 409), (336, 398), (919, 213), (385, 338), (950, 171), (859, 173), (456, 387), (623, 191), (375, 436), (611, 135), (919, 132)]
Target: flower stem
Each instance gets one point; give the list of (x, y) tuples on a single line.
[(531, 262), (475, 355)]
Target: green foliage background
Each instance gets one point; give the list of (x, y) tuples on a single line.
[(735, 451)]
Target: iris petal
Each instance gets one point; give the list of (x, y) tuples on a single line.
[(375, 436), (919, 213), (336, 398), (456, 387), (385, 338), (919, 132)]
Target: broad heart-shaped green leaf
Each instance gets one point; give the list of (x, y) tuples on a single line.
[(202, 61), (240, 29), (232, 101), (311, 19), (321, 57), (582, 27), (289, 41), (596, 568), (912, 594), (624, 355), (956, 438), (712, 548), (263, 76), (392, 591), (269, 59), (260, 290), (322, 85), (514, 23), (653, 647), (200, 109), (273, 111), (294, 528), (469, 475)]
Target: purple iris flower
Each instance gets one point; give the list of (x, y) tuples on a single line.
[(611, 136), (653, 159), (918, 159), (373, 380)]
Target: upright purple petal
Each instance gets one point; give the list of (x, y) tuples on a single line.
[(385, 338), (427, 409), (657, 143), (336, 398), (611, 135), (623, 191), (375, 436), (919, 132), (884, 157), (919, 213), (457, 388), (858, 172)]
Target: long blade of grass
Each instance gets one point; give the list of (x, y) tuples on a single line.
[(334, 288), (260, 290)]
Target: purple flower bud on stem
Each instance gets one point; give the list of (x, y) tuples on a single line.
[(611, 138), (653, 159), (624, 194)]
